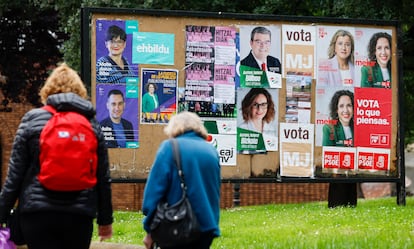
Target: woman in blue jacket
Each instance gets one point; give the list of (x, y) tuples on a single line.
[(201, 167)]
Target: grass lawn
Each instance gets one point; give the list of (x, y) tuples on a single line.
[(373, 224)]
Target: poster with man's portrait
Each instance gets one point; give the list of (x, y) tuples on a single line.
[(117, 113), (260, 53)]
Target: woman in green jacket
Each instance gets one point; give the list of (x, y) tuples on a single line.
[(378, 72), (341, 133), (150, 98)]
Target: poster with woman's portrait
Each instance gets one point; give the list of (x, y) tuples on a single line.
[(373, 51), (257, 121), (335, 56), (114, 40), (326, 113), (159, 95)]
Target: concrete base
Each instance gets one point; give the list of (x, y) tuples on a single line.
[(409, 172), (373, 190)]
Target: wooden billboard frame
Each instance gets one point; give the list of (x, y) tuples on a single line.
[(139, 160)]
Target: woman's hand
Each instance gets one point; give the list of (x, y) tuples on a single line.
[(148, 241), (105, 232)]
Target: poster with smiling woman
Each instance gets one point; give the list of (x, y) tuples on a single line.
[(114, 51), (373, 51), (335, 56), (257, 122)]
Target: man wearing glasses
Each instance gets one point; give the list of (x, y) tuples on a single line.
[(114, 67), (260, 40)]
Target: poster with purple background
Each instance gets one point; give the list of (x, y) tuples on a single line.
[(109, 109), (159, 95), (114, 51)]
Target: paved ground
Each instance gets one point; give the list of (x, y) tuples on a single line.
[(105, 245)]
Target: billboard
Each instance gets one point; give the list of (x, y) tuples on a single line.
[(281, 97)]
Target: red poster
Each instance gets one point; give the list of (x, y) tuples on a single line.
[(339, 159), (373, 160), (331, 160), (373, 113)]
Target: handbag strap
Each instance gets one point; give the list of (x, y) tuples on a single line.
[(177, 159)]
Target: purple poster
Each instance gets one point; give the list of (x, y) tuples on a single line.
[(114, 51), (118, 115)]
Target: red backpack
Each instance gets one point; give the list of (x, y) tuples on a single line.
[(68, 152)]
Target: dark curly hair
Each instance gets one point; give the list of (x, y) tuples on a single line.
[(148, 85), (333, 106), (373, 44)]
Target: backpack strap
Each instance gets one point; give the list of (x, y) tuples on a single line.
[(177, 159), (49, 108)]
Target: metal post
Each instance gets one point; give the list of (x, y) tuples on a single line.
[(236, 195)]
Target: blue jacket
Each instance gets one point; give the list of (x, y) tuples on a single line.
[(201, 167), (110, 137), (107, 71)]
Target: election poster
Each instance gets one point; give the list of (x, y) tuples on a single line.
[(260, 53), (335, 56), (296, 150), (117, 112), (373, 117), (114, 53), (299, 70), (159, 95), (257, 123), (373, 161), (226, 148), (372, 69), (210, 70), (339, 160)]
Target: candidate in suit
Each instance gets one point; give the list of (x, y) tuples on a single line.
[(260, 40), (117, 130)]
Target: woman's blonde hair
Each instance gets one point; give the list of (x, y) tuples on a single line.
[(183, 122), (340, 33), (63, 80)]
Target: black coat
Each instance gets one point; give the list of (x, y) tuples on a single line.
[(22, 183), (272, 63)]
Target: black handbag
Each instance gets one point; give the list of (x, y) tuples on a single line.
[(175, 225), (13, 222)]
